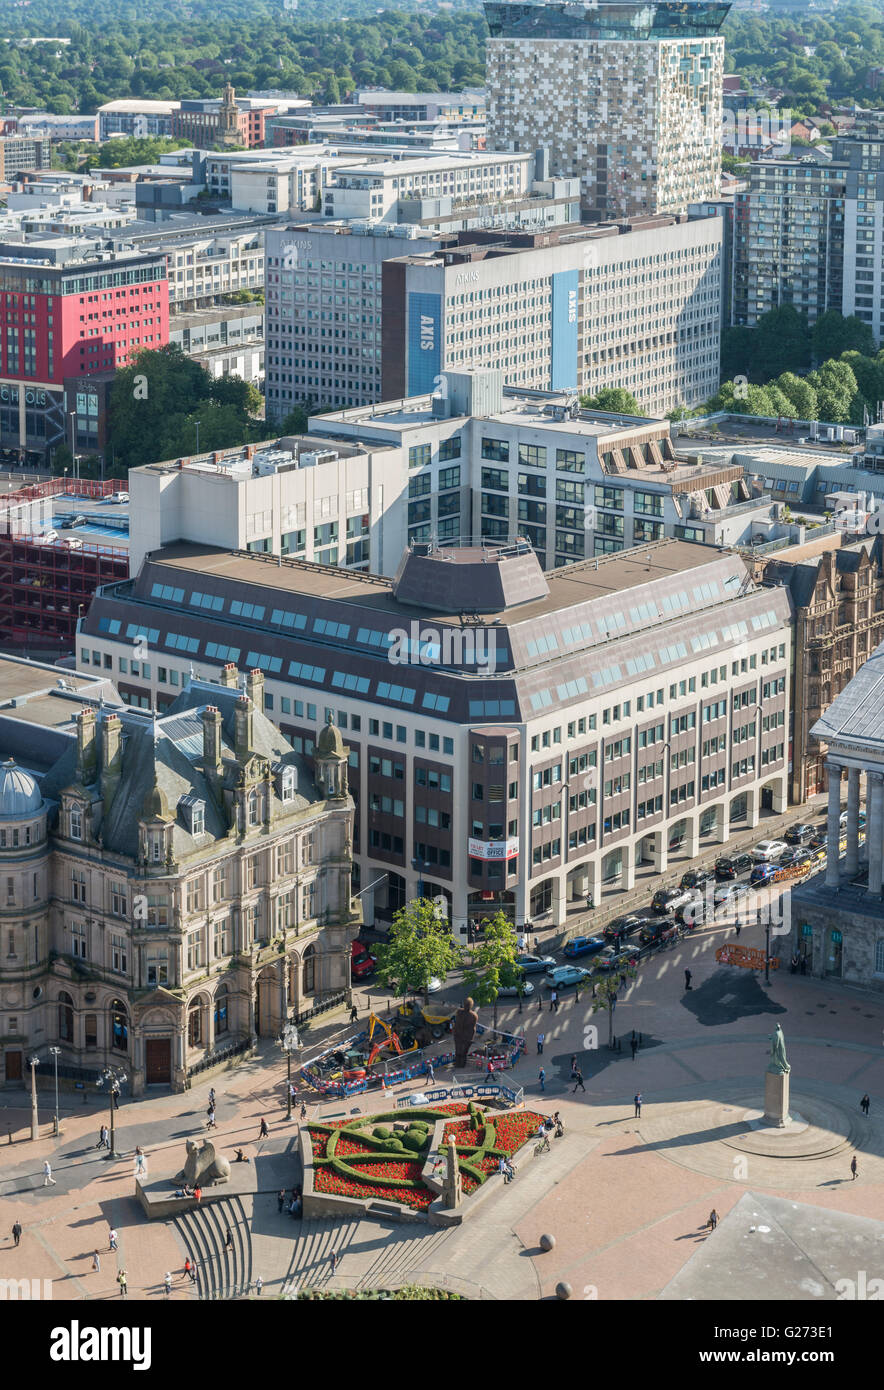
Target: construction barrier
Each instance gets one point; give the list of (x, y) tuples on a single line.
[(747, 957)]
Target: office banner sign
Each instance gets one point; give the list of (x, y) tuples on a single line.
[(563, 369), (424, 342), (494, 849)]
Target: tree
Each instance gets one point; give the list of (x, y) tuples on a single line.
[(605, 991), (420, 946), (493, 961), (800, 395), (836, 387), (834, 334), (613, 399)]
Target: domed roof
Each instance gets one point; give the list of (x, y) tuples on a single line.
[(19, 793), (330, 744)]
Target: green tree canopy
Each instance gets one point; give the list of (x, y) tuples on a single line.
[(493, 957), (613, 399), (420, 946), (834, 334)]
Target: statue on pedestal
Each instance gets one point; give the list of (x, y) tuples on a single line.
[(452, 1187), (466, 1020), (778, 1063), (203, 1167)]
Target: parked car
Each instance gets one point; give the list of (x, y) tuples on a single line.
[(793, 855), (532, 965), (696, 878), (612, 959), (583, 946), (664, 929), (768, 850), (799, 834), (72, 542), (122, 497), (730, 895), (524, 987), (71, 521), (47, 538), (565, 975), (763, 873), (862, 818), (624, 926), (667, 900), (732, 865)]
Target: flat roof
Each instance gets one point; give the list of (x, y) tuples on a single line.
[(43, 700)]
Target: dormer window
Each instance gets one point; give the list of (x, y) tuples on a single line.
[(288, 784), (253, 808), (75, 823), (193, 812)]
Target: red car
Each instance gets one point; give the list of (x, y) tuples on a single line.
[(362, 962)]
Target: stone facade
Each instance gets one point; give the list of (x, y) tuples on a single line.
[(175, 887), (637, 122)]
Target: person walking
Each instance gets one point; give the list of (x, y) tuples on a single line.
[(259, 1284), (864, 1104), (573, 1066), (853, 1167), (280, 1200), (713, 1219), (303, 1110), (578, 1080), (554, 1001), (47, 1174), (539, 1002), (210, 1122), (354, 1013), (96, 1262), (540, 1041), (687, 979), (140, 1166), (167, 1282), (264, 1131), (16, 1232), (738, 927), (103, 1139), (123, 1283), (334, 1262), (228, 1240), (542, 1079), (112, 1239), (431, 1075), (187, 1267), (634, 1045), (637, 1102), (198, 1194), (212, 1095)]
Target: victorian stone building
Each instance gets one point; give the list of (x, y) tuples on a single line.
[(173, 887), (838, 613)]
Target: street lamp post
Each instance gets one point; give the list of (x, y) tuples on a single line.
[(419, 866), (289, 1042), (33, 1063), (116, 1079), (54, 1053)]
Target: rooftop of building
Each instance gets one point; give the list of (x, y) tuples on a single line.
[(398, 168), (366, 96), (63, 251), (48, 694), (136, 106), (856, 716)]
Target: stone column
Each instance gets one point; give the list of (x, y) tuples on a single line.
[(724, 822), (875, 830), (628, 881), (833, 825), (753, 803), (852, 821), (661, 851)]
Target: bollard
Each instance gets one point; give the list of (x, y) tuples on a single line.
[(547, 1243)]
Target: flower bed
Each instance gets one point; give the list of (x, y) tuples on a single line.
[(363, 1158)]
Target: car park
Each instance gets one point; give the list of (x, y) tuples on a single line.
[(565, 975), (532, 965), (613, 959), (799, 834), (730, 866), (72, 542), (71, 521), (47, 538), (583, 946), (768, 850), (624, 926), (697, 878)]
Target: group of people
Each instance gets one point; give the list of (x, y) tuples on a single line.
[(798, 963), (293, 1203)]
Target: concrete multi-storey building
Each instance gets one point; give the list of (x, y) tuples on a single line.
[(516, 739), (137, 118), (456, 107), (228, 340), (222, 120), (20, 152), (636, 306), (627, 97), (174, 887)]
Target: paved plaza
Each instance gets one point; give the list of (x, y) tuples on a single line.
[(625, 1197)]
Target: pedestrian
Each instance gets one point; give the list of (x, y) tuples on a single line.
[(167, 1282), (303, 1110), (539, 1002), (738, 927), (793, 963), (804, 965), (687, 979), (713, 1219), (212, 1095), (354, 1013), (554, 1001), (540, 1041), (96, 1262), (853, 1167), (187, 1267), (501, 1168), (634, 1046), (139, 1161), (112, 1239), (865, 1104), (542, 1079), (198, 1192), (431, 1075), (228, 1240), (190, 1269), (102, 1138), (280, 1200), (578, 1079), (47, 1174), (259, 1284), (334, 1261), (210, 1122), (123, 1283), (292, 1096), (637, 1102), (16, 1232), (264, 1131), (573, 1064), (489, 1071)]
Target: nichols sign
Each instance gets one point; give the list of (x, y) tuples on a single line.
[(493, 849)]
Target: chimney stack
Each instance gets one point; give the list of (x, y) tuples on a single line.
[(255, 688), (211, 737), (111, 757), (229, 675), (243, 736), (86, 759)]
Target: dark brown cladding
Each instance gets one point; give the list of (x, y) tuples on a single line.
[(393, 341)]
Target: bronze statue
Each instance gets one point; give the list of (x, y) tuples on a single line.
[(466, 1021), (778, 1063)]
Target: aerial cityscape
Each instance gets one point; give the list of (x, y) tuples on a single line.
[(410, 417)]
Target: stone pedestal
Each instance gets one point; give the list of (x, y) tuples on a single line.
[(776, 1100)]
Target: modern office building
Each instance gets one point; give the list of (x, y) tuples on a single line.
[(516, 739), (20, 152), (68, 311), (137, 118), (421, 106), (626, 96), (227, 341), (636, 306)]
